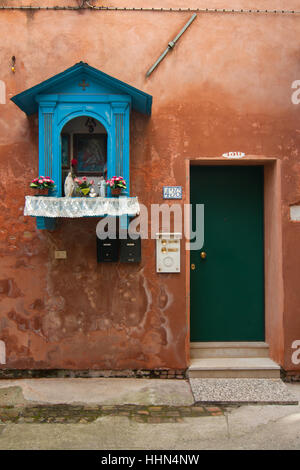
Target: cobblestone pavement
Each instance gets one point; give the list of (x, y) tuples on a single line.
[(89, 413)]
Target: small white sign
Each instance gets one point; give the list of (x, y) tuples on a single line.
[(233, 155), (2, 353), (60, 254), (2, 92)]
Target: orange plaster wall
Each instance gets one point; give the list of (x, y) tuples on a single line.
[(226, 86)]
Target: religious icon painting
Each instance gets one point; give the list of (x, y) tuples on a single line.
[(91, 153)]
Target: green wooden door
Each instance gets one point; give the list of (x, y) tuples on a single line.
[(227, 287)]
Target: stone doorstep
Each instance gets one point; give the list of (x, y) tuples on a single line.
[(89, 413), (241, 391), (233, 367), (237, 349), (236, 363)]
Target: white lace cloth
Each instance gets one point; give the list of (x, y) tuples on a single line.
[(73, 207)]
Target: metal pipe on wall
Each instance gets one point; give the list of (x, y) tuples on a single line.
[(86, 5)]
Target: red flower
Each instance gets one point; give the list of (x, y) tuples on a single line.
[(74, 162)]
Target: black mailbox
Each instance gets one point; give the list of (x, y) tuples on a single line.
[(130, 250), (107, 250)]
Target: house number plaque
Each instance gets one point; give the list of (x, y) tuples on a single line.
[(172, 192)]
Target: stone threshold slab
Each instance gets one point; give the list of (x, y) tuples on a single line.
[(101, 391), (241, 391)]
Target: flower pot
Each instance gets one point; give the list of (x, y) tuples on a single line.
[(41, 192), (116, 191)]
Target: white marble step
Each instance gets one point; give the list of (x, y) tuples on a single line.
[(229, 349), (231, 367)]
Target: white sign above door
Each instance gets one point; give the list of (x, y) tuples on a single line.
[(233, 155)]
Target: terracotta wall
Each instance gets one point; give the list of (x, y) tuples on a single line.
[(226, 86)]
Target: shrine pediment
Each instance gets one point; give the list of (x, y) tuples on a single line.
[(82, 79)]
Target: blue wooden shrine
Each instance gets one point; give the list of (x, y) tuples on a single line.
[(82, 90)]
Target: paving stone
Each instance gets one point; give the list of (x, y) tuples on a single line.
[(173, 413), (92, 408), (140, 419), (168, 420), (200, 409), (154, 419), (10, 395), (9, 413)]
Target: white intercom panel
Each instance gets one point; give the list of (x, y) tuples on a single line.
[(168, 252)]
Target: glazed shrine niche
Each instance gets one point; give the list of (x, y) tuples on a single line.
[(103, 101)]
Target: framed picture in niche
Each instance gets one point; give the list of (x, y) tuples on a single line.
[(90, 150), (65, 151)]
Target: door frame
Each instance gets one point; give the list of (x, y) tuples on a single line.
[(274, 294)]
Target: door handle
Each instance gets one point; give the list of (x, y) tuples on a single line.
[(203, 255)]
